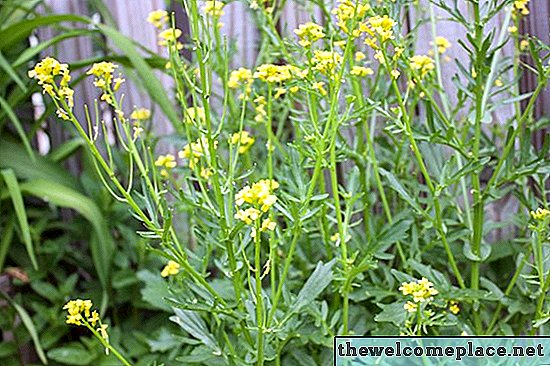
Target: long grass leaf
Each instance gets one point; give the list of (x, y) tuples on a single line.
[(27, 322), (17, 199), (8, 68), (18, 127), (63, 196)]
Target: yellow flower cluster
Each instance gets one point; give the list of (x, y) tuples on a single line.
[(540, 214), (244, 140), (267, 224), (378, 28), (214, 8), (79, 314), (166, 162), (79, 310), (270, 73), (442, 44), (423, 64), (46, 72), (261, 113), (195, 150), (241, 76), (326, 62), (521, 6), (103, 72), (249, 215), (171, 269), (158, 18), (361, 71), (348, 10), (170, 37), (260, 194), (421, 290), (140, 114), (309, 33), (195, 114)]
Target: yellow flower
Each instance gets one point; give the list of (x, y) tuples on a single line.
[(326, 62), (195, 114), (442, 44), (167, 161), (335, 237), (259, 194), (94, 318), (244, 140), (421, 290), (67, 93), (348, 10), (261, 113), (171, 269), (46, 72), (267, 224), (62, 114), (248, 216), (239, 77), (103, 71), (378, 28), (206, 173), (359, 56), (214, 8), (158, 18), (512, 29), (170, 36), (77, 311), (270, 73), (410, 306), (195, 150), (422, 64), (279, 92), (523, 45), (140, 114), (498, 83), (521, 6), (320, 87), (540, 214), (395, 74), (309, 33), (454, 308), (361, 71)]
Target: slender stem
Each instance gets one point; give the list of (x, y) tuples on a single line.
[(259, 299)]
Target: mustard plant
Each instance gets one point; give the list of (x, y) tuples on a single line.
[(335, 186)]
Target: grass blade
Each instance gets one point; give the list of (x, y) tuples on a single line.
[(27, 322), (17, 200)]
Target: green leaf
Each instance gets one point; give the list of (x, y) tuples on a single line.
[(150, 80), (20, 212), (316, 283), (18, 127), (5, 241), (27, 322), (102, 245), (193, 324), (72, 354), (12, 155), (155, 290), (8, 68), (20, 31), (393, 313), (396, 186), (66, 149)]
